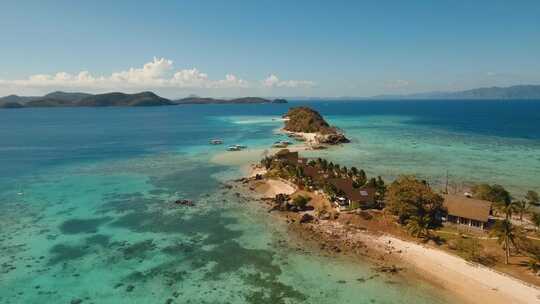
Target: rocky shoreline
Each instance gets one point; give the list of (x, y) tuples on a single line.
[(306, 123), (391, 255)]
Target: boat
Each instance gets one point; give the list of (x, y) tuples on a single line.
[(281, 144), (236, 147), (216, 141)]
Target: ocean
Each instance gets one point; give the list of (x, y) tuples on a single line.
[(86, 196)]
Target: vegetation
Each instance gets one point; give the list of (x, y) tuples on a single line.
[(304, 119), (301, 201), (470, 249), (492, 193), (521, 207), (532, 198), (507, 236), (533, 264), (413, 200), (418, 226), (535, 219), (63, 99)]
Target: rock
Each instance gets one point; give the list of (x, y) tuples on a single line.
[(324, 216), (76, 301), (184, 202), (332, 138), (306, 218), (130, 288)]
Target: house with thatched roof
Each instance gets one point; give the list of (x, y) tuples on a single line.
[(466, 211), (349, 195)]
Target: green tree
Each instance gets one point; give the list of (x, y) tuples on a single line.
[(507, 236), (407, 197), (521, 207), (535, 219), (301, 201), (507, 208), (533, 263), (418, 226), (532, 198), (492, 193)]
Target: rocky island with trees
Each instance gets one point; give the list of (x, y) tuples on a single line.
[(311, 126)]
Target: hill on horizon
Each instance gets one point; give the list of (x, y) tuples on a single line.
[(496, 93)]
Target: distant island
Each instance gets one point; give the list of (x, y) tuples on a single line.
[(488, 93), (243, 100), (116, 99), (310, 125)]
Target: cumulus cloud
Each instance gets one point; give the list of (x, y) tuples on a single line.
[(159, 73), (272, 81), (156, 74)]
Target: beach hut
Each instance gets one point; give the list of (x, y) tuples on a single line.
[(467, 211)]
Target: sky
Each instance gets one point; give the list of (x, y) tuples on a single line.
[(267, 48)]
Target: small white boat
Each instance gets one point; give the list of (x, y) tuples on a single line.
[(216, 142), (236, 148)]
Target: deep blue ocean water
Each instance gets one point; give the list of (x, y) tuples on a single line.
[(85, 197)]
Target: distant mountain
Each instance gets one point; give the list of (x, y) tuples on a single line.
[(243, 100), (67, 96), (16, 99), (513, 92), (46, 102), (116, 99), (65, 99)]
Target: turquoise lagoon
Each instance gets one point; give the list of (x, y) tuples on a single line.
[(86, 213)]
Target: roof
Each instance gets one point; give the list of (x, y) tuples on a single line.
[(465, 207), (364, 194), (287, 156)]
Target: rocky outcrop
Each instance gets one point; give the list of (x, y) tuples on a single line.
[(332, 138), (306, 120), (306, 218)]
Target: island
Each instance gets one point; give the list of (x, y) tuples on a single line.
[(67, 99), (460, 241), (308, 125), (117, 99)]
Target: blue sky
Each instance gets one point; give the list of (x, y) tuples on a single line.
[(268, 48)]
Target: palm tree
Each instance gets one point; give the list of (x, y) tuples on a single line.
[(522, 207), (535, 219), (506, 235), (507, 208), (533, 198), (533, 264), (418, 226)]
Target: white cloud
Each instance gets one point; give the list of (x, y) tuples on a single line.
[(272, 81), (156, 74)]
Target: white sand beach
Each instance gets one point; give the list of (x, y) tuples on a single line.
[(470, 282), (271, 187)]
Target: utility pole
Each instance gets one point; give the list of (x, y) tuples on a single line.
[(446, 188)]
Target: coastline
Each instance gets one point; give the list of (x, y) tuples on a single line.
[(471, 283)]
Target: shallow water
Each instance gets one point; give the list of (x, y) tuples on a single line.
[(86, 213)]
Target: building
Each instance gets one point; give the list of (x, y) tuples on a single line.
[(467, 211), (351, 197)]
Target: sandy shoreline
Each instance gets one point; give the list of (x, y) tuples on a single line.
[(469, 282)]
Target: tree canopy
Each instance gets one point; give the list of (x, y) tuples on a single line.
[(409, 197), (493, 193)]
